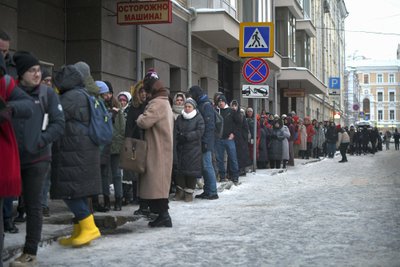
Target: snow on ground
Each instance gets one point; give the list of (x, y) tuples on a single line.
[(318, 214)]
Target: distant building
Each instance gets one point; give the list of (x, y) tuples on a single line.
[(373, 92)]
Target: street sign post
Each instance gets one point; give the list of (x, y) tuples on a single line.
[(256, 39)]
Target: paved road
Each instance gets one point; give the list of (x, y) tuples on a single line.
[(318, 214)]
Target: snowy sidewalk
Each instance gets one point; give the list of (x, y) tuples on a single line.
[(320, 214)]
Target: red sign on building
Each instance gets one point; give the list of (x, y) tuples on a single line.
[(146, 12)]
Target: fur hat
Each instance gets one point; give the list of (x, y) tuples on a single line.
[(24, 61), (103, 88), (191, 101)]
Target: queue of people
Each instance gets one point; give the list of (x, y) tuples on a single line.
[(45, 133)]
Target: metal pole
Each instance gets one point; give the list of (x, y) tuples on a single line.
[(138, 53), (255, 135)]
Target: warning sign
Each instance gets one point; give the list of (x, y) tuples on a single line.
[(146, 12)]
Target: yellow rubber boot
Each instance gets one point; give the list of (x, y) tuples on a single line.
[(89, 232), (67, 241)]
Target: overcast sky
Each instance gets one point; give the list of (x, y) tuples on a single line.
[(381, 16)]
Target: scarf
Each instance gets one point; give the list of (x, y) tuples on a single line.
[(188, 116)]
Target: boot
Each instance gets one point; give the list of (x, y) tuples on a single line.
[(24, 260), (189, 195), (67, 241), (88, 232), (179, 193), (163, 220), (106, 207), (118, 203), (10, 227)]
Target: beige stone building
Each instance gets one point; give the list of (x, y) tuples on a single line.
[(374, 91)]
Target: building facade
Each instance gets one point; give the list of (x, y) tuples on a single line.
[(374, 93), (199, 47)]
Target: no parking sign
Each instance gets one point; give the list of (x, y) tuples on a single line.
[(255, 70)]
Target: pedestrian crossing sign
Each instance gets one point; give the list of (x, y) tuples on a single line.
[(256, 39)]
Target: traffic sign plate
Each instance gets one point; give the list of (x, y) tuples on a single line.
[(255, 70), (255, 91), (256, 39)]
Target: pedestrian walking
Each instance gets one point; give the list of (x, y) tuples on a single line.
[(76, 159), (396, 137), (342, 143)]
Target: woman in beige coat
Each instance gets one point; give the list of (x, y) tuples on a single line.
[(158, 123)]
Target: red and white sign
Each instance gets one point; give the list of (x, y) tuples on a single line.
[(145, 12)]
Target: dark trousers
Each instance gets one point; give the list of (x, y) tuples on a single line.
[(185, 181), (343, 150), (7, 208), (158, 205), (79, 207), (33, 176)]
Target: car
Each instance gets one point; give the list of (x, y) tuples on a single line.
[(262, 90), (246, 91)]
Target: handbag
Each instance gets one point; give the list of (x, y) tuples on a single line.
[(133, 155)]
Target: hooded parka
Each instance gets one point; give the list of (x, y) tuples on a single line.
[(76, 159)]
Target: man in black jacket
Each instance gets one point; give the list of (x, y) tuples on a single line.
[(227, 142), (34, 137)]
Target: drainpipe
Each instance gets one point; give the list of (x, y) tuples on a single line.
[(193, 16), (277, 74), (138, 52)]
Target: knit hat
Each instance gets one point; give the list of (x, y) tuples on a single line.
[(103, 88), (24, 61), (221, 98), (125, 94), (83, 68), (191, 101), (45, 74), (196, 92), (149, 79)]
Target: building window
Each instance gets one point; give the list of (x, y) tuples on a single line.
[(379, 78), (391, 96), (391, 114), (380, 115), (366, 78), (391, 78), (380, 96)]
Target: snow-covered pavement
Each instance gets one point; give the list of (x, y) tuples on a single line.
[(319, 214)]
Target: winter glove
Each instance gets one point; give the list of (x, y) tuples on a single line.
[(204, 147), (6, 114), (181, 138)]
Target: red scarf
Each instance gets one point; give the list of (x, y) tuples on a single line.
[(10, 173)]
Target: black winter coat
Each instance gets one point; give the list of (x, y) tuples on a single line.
[(76, 159), (189, 152), (33, 143), (207, 112), (242, 149)]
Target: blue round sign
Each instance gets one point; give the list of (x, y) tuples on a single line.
[(255, 70)]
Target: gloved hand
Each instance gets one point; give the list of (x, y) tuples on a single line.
[(6, 114), (181, 138), (204, 147)]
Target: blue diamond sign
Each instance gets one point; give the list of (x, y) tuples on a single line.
[(256, 39)]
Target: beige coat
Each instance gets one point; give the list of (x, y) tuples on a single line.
[(158, 122)]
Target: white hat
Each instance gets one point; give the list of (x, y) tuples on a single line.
[(126, 94)]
